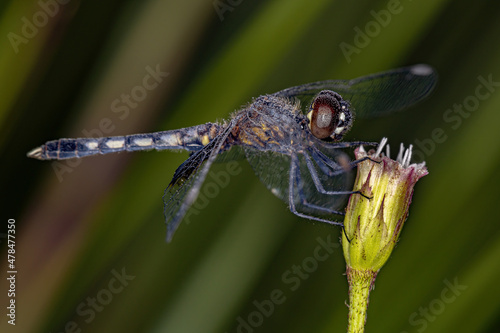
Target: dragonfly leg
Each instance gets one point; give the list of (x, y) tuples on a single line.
[(326, 165), (317, 181), (295, 181), (321, 160), (331, 168), (346, 144)]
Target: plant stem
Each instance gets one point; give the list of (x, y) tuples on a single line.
[(360, 284)]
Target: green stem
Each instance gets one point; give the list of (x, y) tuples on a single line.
[(360, 285)]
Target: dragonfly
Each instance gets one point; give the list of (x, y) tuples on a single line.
[(296, 151)]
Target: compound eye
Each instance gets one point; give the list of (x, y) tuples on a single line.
[(323, 114)]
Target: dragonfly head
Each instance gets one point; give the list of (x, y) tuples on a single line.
[(329, 116)]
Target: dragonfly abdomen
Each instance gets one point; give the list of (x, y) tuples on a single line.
[(190, 138)]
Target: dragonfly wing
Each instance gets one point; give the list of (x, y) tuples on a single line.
[(187, 181), (377, 94), (273, 169)]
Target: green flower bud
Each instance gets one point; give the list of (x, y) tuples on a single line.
[(375, 217)]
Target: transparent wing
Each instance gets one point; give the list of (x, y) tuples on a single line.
[(273, 169), (186, 183), (377, 94)]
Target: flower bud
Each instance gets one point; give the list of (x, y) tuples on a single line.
[(375, 216)]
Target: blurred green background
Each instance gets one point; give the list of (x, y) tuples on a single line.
[(90, 243)]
